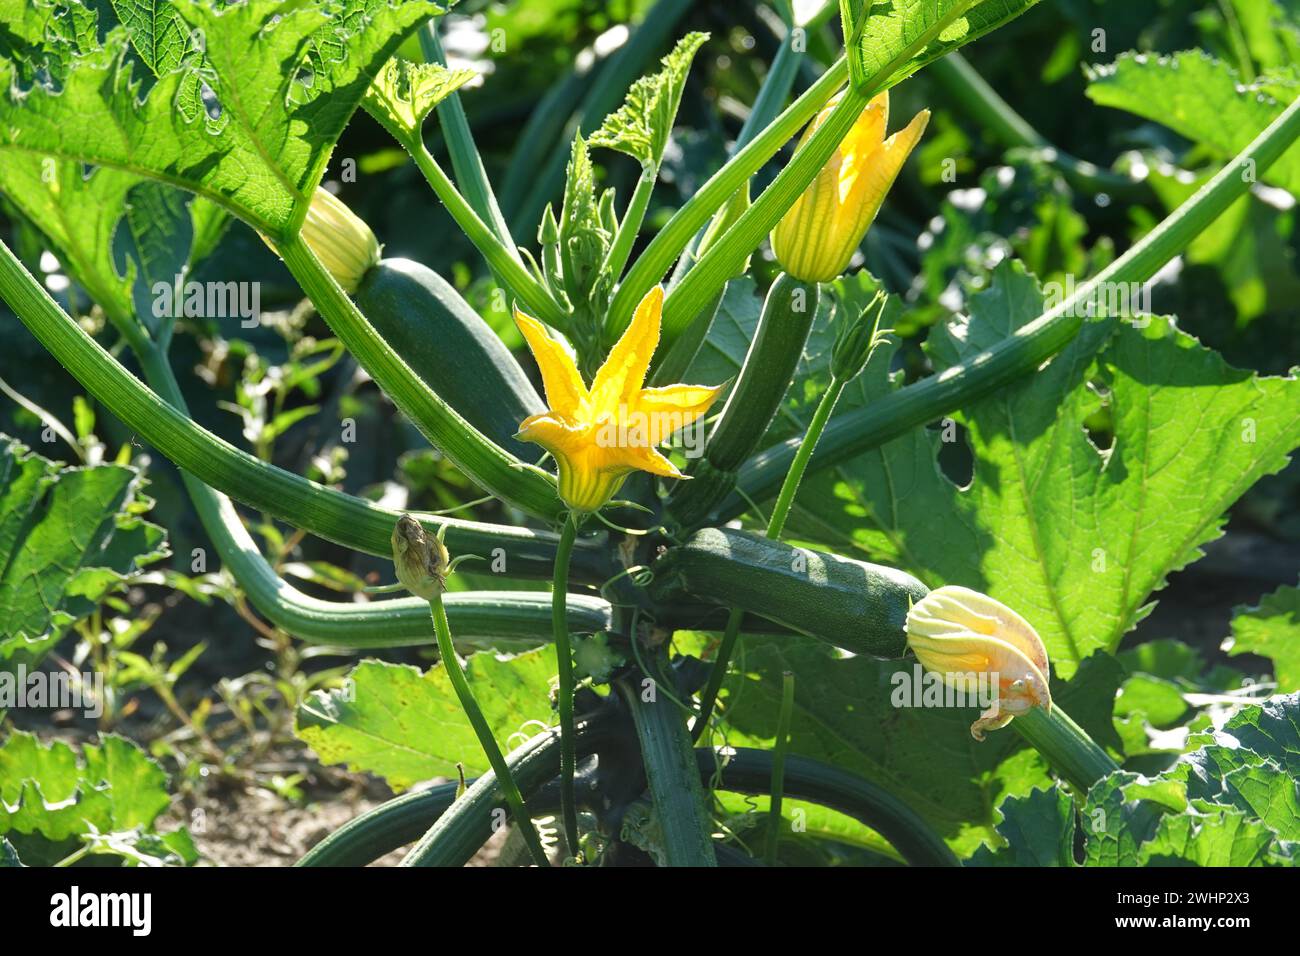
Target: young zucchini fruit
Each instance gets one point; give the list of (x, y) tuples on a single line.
[(451, 348), (854, 605), (764, 379)]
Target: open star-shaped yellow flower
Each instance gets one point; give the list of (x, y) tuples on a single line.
[(599, 435)]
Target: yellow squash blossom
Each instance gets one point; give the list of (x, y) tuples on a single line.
[(959, 633), (599, 435), (340, 239), (816, 238)]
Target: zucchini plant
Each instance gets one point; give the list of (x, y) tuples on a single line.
[(769, 606)]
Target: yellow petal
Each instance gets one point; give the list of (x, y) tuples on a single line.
[(816, 238), (647, 459), (565, 392), (562, 437), (956, 632), (621, 377), (670, 408)]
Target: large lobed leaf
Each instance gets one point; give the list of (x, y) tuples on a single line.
[(1203, 99), (1075, 537), (1271, 630), (407, 726), (888, 41), (1233, 802), (109, 797), (249, 123), (68, 538)]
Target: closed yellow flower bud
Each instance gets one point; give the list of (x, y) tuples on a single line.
[(816, 238), (959, 633), (340, 239)]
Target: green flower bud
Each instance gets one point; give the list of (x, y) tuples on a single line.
[(856, 338), (420, 559)]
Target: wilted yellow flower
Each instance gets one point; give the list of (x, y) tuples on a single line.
[(420, 559), (340, 239), (956, 632), (816, 238), (600, 435)]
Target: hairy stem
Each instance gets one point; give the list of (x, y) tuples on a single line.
[(778, 768), (775, 525), (456, 673), (564, 668), (1066, 745)]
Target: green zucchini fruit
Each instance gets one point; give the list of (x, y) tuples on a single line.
[(858, 606), (452, 349), (765, 377)]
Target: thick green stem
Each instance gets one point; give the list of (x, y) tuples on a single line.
[(630, 226), (897, 413), (491, 466), (769, 102), (672, 775), (459, 683), (778, 768), (391, 825), (1066, 745), (775, 525), (564, 668), (717, 674), (333, 515), (790, 487), (726, 257), (673, 238), (465, 159), (519, 281), (746, 770)]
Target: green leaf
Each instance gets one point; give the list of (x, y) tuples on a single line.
[(51, 796), (844, 716), (276, 87), (1074, 537), (1271, 630), (642, 125), (1222, 838), (888, 41), (1038, 829), (407, 726), (1201, 98), (1232, 802), (404, 93), (158, 32), (68, 538)]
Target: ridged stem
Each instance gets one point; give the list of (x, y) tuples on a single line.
[(564, 669), (672, 775), (465, 694), (492, 467), (1067, 747), (672, 239)]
